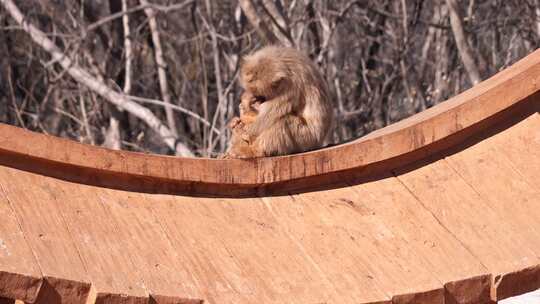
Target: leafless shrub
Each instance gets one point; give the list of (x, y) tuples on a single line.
[(176, 62)]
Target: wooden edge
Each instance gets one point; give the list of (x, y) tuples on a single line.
[(19, 286), (158, 299), (111, 298), (423, 297), (515, 283), (414, 137), (59, 290), (378, 302), (405, 162), (474, 290)]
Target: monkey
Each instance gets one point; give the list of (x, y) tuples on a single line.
[(295, 112), (249, 109)]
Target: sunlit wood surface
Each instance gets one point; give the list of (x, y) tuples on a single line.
[(440, 208)]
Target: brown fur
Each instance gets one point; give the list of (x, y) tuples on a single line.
[(296, 113), (249, 109)]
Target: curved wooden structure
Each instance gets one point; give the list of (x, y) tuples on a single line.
[(442, 207)]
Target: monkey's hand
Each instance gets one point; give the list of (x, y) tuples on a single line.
[(246, 137), (240, 131), (235, 123)]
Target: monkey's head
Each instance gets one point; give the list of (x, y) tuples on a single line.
[(263, 75)]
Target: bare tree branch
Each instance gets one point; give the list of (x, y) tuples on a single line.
[(113, 138), (86, 125), (163, 8), (221, 107), (376, 56), (93, 83), (261, 26), (177, 108), (112, 135), (465, 52), (278, 22), (537, 18), (161, 66), (127, 48)]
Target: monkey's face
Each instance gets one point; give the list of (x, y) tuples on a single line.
[(249, 103), (263, 77)]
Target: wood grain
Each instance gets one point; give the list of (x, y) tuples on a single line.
[(20, 275), (103, 249), (465, 282), (494, 240), (439, 208), (42, 223)]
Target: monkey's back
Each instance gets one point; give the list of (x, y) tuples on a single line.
[(312, 89)]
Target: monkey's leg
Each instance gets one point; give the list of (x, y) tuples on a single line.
[(283, 137), (240, 148)]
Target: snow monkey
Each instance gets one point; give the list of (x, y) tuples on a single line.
[(295, 113)]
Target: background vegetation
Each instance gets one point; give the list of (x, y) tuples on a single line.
[(161, 76)]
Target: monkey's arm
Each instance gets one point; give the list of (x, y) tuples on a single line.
[(272, 112), (287, 135), (249, 118)]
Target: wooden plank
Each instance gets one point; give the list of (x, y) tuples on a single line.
[(241, 254), (465, 282), (108, 262), (330, 245), (41, 220), (286, 272), (20, 275), (487, 234), (492, 176), (521, 145), (202, 255), (397, 270), (150, 249)]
